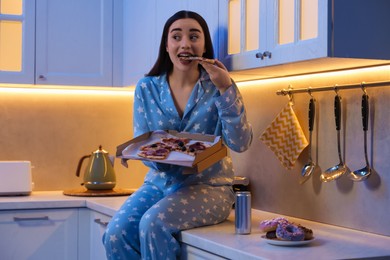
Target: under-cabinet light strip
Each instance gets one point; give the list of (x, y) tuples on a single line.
[(309, 90), (62, 90)]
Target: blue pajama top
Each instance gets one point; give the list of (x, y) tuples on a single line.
[(207, 112)]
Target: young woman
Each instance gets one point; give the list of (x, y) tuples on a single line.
[(187, 96)]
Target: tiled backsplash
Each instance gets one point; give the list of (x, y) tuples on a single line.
[(54, 129)]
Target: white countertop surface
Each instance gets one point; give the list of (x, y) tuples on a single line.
[(330, 242)]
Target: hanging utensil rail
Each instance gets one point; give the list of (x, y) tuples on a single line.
[(291, 91)]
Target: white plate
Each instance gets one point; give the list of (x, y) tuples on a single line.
[(277, 242)]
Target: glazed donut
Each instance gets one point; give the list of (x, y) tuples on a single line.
[(290, 232), (308, 232), (271, 234), (271, 224)]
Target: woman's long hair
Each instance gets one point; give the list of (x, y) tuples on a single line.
[(163, 63)]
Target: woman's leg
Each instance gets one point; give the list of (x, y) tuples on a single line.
[(189, 207), (121, 238)]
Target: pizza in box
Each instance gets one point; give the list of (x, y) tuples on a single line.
[(160, 150), (161, 146)]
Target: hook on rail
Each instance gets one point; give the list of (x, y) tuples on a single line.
[(290, 95), (363, 86), (336, 89)]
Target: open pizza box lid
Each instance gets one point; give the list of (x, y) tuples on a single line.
[(199, 162)]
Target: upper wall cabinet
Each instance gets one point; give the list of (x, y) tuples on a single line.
[(74, 42), (264, 33), (17, 41), (57, 42), (143, 26)]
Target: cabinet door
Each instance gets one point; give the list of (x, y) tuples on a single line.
[(74, 42), (38, 234), (298, 30), (139, 39), (98, 224), (193, 253), (243, 32), (261, 33), (17, 41)]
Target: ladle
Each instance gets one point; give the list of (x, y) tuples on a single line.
[(338, 170), (309, 167), (363, 173)]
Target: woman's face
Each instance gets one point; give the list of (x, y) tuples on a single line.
[(185, 38)]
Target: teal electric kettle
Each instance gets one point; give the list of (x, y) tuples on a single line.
[(99, 174)]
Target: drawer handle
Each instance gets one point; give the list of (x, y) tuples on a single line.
[(16, 219), (264, 55), (100, 222)]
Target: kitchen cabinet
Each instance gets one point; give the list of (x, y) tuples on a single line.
[(98, 223), (17, 41), (264, 33), (208, 242), (39, 234), (74, 42), (63, 43), (189, 252), (141, 39)]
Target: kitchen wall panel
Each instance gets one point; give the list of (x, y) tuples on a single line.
[(357, 205), (54, 130)]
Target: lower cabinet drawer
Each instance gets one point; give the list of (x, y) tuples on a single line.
[(39, 234), (194, 253)]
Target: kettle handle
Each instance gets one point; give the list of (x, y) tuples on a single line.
[(80, 164)]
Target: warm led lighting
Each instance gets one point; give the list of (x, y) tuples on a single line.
[(74, 90), (285, 81)]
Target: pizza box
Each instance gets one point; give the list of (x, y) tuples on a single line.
[(198, 163)]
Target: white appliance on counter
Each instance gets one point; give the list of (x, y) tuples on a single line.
[(15, 178)]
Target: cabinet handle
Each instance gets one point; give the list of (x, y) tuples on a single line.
[(100, 222), (41, 77), (264, 55), (267, 54), (16, 219)]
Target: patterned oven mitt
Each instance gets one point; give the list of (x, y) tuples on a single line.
[(284, 136)]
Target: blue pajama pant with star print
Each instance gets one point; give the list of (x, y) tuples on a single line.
[(146, 224)]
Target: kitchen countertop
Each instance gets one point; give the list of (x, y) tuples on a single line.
[(331, 242)]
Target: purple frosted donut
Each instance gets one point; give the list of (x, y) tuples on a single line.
[(271, 224), (289, 232)]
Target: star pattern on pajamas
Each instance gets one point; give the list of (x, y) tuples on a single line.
[(169, 200)]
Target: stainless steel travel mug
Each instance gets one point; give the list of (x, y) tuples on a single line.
[(243, 215)]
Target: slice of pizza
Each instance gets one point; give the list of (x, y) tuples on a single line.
[(159, 154), (194, 148), (154, 151), (175, 143), (154, 146), (211, 61), (160, 150)]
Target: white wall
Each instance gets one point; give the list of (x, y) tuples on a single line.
[(54, 129)]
